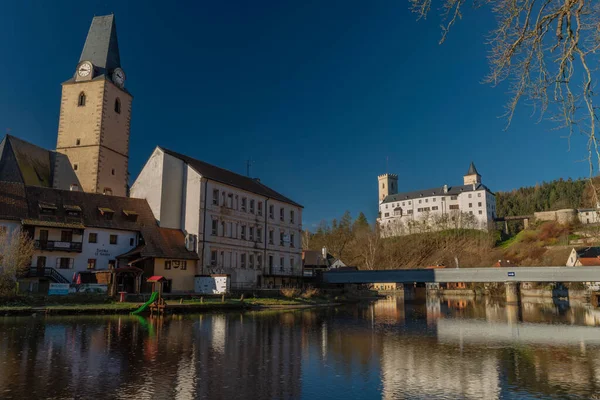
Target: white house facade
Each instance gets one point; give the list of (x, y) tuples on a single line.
[(471, 205), (238, 226)]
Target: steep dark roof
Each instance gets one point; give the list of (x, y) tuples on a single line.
[(438, 191), (156, 242), (13, 204), (101, 45), (23, 162), (230, 178), (588, 252), (472, 170)]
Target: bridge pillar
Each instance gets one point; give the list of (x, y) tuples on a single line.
[(506, 227), (512, 292), (525, 223)]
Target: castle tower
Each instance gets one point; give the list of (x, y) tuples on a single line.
[(95, 111), (388, 184), (472, 176)]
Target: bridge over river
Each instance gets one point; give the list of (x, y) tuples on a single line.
[(510, 276)]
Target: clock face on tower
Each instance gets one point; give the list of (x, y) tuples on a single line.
[(119, 77), (85, 69)]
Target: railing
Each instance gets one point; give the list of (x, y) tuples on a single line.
[(46, 272), (58, 245)]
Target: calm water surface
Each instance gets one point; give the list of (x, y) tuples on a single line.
[(444, 349)]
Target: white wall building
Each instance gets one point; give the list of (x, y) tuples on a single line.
[(237, 225), (471, 205)]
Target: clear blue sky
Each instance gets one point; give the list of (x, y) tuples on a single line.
[(318, 93)]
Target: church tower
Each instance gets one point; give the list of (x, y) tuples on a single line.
[(95, 112), (388, 185), (472, 177)]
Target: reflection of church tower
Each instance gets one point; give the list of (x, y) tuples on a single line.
[(93, 131)]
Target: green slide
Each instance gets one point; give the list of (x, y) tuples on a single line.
[(146, 304)]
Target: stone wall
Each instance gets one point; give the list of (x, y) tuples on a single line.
[(562, 216)]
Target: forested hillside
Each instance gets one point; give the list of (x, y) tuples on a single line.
[(547, 196)]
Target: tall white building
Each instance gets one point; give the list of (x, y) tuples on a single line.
[(471, 205), (238, 226)]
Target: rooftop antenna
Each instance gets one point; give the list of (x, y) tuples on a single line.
[(248, 166), (387, 161)]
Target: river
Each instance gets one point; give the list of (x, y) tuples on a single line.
[(443, 349)]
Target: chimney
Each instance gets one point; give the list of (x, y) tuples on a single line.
[(445, 188)]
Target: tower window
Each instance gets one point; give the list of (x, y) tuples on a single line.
[(113, 171), (118, 106), (75, 167), (81, 101), (78, 142)]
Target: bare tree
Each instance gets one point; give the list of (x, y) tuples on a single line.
[(16, 250), (538, 46)]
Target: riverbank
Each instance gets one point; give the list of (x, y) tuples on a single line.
[(175, 306)]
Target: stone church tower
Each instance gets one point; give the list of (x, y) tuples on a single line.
[(95, 113)]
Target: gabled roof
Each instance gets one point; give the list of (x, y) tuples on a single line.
[(588, 252), (438, 191), (13, 203), (26, 163), (101, 45), (221, 175), (472, 170)]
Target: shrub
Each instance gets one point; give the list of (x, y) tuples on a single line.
[(310, 293), (290, 293)]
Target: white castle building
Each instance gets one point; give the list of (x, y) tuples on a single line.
[(471, 205)]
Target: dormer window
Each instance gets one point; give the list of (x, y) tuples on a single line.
[(72, 211), (81, 100), (130, 215), (47, 208), (106, 212), (118, 106)]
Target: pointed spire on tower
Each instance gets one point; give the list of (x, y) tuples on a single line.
[(101, 45), (472, 170)]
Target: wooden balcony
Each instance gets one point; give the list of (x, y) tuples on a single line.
[(55, 245)]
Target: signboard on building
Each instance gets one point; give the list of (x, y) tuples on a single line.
[(58, 289), (211, 284)]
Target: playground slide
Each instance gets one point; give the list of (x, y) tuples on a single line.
[(146, 304)]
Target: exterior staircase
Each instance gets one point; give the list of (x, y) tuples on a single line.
[(50, 273)]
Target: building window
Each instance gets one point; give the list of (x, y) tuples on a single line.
[(251, 261), (271, 237), (291, 216), (409, 212), (168, 264), (216, 197), (478, 194), (213, 258), (403, 203), (66, 236), (230, 200), (108, 191), (118, 106), (271, 211), (93, 238), (75, 167), (81, 101), (453, 197), (65, 263), (281, 238), (43, 235), (252, 206), (78, 142), (292, 262), (251, 232), (91, 263), (230, 229), (131, 241), (480, 212), (112, 171), (243, 261), (479, 204), (260, 205), (470, 205), (388, 214), (453, 206), (259, 261), (259, 235), (281, 214), (434, 208), (281, 263), (223, 229), (420, 201), (270, 262), (112, 264), (215, 227), (469, 195), (292, 240), (243, 232), (426, 200), (243, 204), (113, 239), (409, 203)]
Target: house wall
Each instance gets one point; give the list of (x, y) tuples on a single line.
[(182, 280), (588, 216), (192, 203), (173, 179), (102, 251), (148, 184)]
